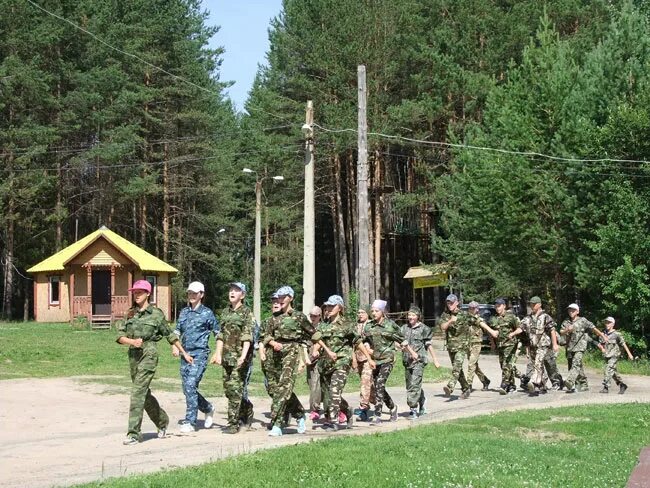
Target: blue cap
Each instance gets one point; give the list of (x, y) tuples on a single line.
[(335, 300), (274, 295), (499, 301), (452, 298), (239, 285), (284, 291)]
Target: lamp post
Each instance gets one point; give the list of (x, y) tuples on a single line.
[(258, 241)]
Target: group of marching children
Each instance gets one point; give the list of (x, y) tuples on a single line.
[(330, 347)]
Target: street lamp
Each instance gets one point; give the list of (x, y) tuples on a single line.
[(258, 240)]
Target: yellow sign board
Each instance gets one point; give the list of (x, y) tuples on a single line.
[(438, 279)]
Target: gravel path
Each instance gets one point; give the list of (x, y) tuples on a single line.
[(58, 432)]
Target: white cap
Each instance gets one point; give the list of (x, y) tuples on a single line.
[(610, 319), (574, 306), (379, 305), (196, 287)]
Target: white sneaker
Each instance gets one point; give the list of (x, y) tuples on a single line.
[(209, 419), (187, 428)]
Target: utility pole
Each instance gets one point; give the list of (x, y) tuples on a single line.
[(309, 239), (363, 272), (257, 304)]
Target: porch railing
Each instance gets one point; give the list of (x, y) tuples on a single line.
[(82, 305)]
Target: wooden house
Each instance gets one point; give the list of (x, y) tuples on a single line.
[(91, 277)]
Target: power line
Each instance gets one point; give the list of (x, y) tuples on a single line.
[(489, 149)]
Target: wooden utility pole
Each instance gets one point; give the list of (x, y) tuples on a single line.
[(363, 274), (309, 239)]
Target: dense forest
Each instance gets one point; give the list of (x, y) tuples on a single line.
[(507, 139)]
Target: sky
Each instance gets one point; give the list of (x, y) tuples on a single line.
[(244, 35)]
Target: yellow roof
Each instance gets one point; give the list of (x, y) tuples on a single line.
[(142, 259)]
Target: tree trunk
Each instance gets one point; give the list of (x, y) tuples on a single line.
[(342, 255), (352, 217), (8, 282), (165, 220)]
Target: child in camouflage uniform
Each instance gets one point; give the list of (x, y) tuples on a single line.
[(611, 348), (382, 335), (362, 366), (338, 338), (195, 324), (414, 357), (289, 333), (505, 323), (144, 326), (235, 352)]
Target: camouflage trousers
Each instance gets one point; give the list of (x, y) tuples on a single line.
[(282, 377), (472, 365), (267, 370), (332, 382), (247, 379), (367, 391), (544, 359), (457, 359), (507, 360), (413, 373), (379, 376), (576, 374), (142, 363), (313, 380), (611, 372), (233, 386), (191, 375)]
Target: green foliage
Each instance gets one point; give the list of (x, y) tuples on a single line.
[(80, 322), (544, 448)]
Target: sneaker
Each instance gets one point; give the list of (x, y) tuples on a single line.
[(502, 390), (393, 414), (209, 419), (621, 389), (377, 419), (314, 416), (162, 433), (327, 425), (342, 418), (570, 390), (465, 395), (363, 415), (414, 414), (569, 385), (275, 431), (604, 390), (423, 410), (448, 390), (231, 429), (130, 440), (301, 425), (556, 387), (530, 387), (357, 411), (186, 428), (582, 388), (486, 385)]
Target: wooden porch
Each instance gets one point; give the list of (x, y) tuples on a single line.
[(100, 319)]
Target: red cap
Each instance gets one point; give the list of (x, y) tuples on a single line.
[(141, 285)]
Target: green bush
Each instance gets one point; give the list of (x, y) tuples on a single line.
[(80, 322)]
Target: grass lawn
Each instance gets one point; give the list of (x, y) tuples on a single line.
[(590, 446), (37, 350)]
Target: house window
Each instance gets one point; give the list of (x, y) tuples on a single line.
[(55, 290), (153, 280)]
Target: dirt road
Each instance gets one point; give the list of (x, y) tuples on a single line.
[(58, 432)]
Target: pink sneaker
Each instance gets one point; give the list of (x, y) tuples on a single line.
[(342, 418), (314, 415)]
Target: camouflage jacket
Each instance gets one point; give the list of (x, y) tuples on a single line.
[(148, 324), (382, 338), (194, 328), (504, 324), (419, 337), (237, 326), (293, 326), (457, 334), (615, 344), (361, 357), (539, 329), (577, 340), (475, 329), (341, 337), (267, 327)]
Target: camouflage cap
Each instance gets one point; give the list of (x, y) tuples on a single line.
[(499, 301), (452, 298), (284, 291), (473, 304), (415, 310), (237, 284), (535, 299), (335, 300)]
